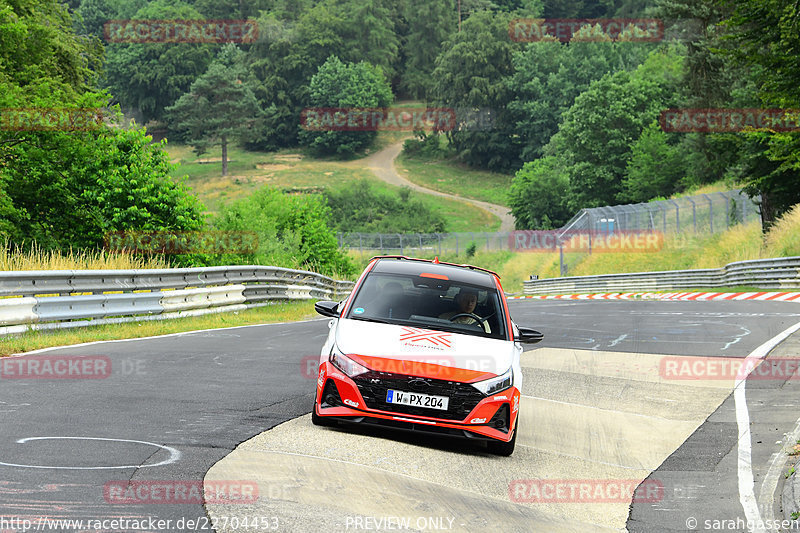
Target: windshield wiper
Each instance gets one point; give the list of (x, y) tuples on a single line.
[(369, 319)]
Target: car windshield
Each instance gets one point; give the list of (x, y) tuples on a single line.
[(429, 302)]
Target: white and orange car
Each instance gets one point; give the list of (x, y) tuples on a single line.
[(424, 346)]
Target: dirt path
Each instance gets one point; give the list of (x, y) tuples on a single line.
[(381, 164)]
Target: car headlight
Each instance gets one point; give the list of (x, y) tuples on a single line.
[(490, 386), (345, 364)]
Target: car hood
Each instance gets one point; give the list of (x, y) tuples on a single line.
[(423, 352)]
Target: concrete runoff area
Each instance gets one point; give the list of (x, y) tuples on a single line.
[(587, 417)]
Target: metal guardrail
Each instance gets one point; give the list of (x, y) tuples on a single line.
[(39, 299), (771, 274)]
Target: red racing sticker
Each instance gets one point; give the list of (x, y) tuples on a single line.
[(425, 338)]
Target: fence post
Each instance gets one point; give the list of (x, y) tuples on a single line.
[(710, 212), (439, 238), (677, 216), (401, 242), (694, 213), (380, 238)]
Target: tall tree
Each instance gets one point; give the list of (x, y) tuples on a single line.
[(547, 77), (38, 47), (470, 74), (595, 139), (283, 66), (371, 34), (709, 81), (657, 167), (340, 85), (429, 25), (149, 77), (92, 15), (219, 107), (538, 195), (764, 34)]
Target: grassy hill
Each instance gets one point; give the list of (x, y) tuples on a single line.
[(294, 171)]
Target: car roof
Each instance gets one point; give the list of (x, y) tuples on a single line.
[(459, 273)]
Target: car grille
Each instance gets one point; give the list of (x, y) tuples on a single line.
[(374, 385)]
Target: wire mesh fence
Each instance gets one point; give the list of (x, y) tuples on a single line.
[(703, 213), (423, 244)]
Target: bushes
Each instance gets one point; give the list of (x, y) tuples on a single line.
[(427, 146), (292, 231), (340, 85), (360, 208)]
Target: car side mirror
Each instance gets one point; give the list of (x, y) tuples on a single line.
[(327, 308), (529, 336)]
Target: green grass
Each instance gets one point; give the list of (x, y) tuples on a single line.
[(15, 258), (454, 178), (279, 312), (294, 171)]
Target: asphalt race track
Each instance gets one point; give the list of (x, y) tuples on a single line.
[(600, 412)]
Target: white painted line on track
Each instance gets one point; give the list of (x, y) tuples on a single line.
[(174, 455), (618, 340), (41, 350), (747, 495)]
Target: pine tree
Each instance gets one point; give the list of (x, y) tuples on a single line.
[(219, 107)]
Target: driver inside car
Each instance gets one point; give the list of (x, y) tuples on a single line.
[(466, 300)]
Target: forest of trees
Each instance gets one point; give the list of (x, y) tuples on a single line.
[(576, 123)]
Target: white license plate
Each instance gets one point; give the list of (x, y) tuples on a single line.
[(415, 399)]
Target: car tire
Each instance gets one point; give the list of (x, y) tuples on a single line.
[(504, 449), (320, 420)]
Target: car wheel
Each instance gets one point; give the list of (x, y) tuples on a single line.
[(504, 448), (320, 420)]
